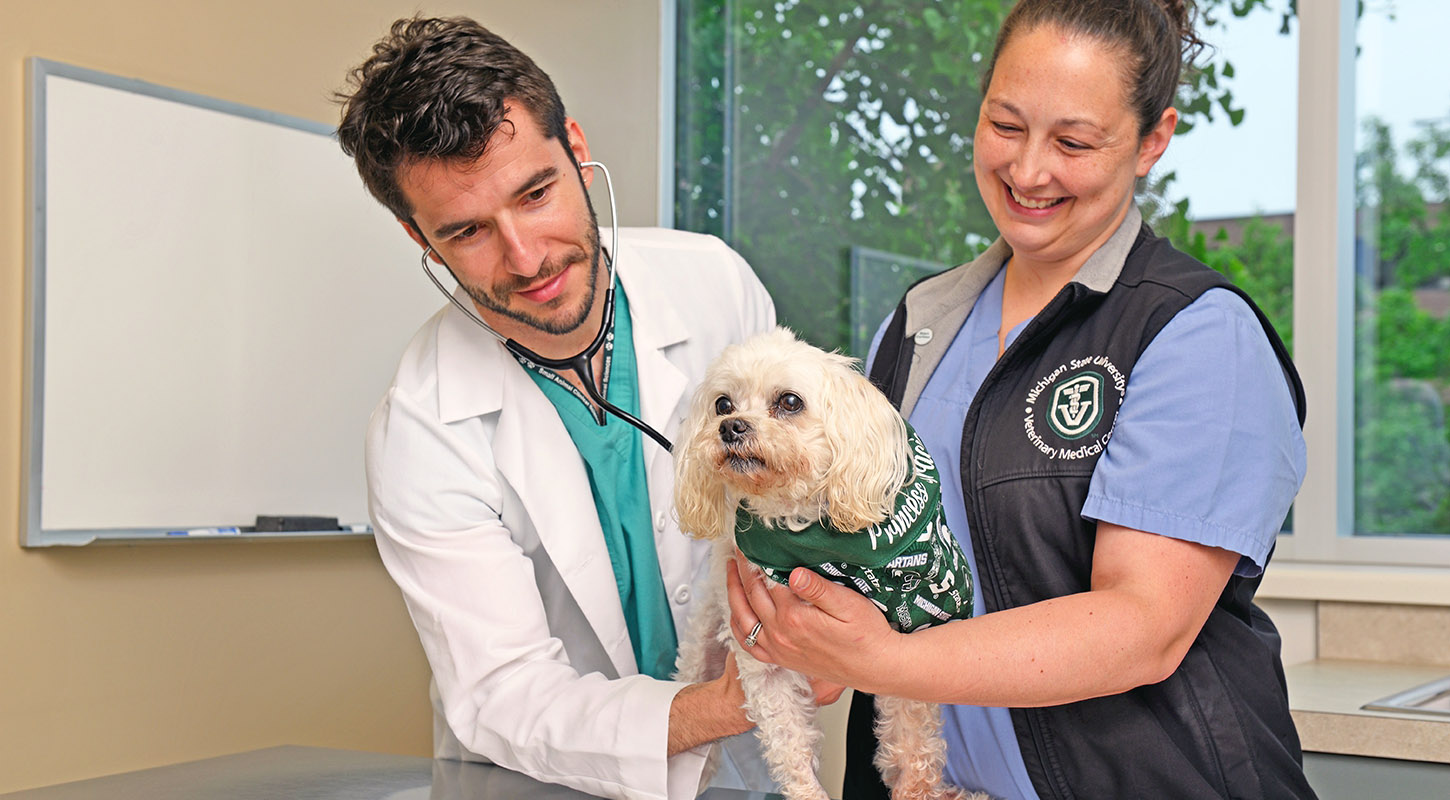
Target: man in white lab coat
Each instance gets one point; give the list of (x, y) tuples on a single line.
[(531, 534)]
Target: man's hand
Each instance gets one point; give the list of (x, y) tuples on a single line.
[(704, 712), (826, 692)]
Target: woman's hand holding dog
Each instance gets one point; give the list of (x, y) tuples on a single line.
[(813, 626), (1149, 598)]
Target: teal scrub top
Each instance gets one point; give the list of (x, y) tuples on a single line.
[(613, 453)]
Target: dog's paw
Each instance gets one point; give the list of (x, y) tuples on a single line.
[(938, 792), (809, 791), (953, 793)]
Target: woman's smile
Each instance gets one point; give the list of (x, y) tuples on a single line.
[(1031, 204)]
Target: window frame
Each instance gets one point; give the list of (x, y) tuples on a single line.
[(1324, 304)]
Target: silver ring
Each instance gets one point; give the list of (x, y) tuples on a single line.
[(750, 638)]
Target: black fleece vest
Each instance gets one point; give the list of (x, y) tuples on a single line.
[(1219, 726)]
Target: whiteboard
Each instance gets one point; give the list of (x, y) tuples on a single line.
[(216, 304)]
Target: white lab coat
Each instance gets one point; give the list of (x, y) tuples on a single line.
[(485, 520)]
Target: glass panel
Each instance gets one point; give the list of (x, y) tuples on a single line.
[(1224, 191), (845, 125), (1402, 325), (701, 154)]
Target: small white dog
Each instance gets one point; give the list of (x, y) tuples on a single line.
[(792, 455)]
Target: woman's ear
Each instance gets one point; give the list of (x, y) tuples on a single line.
[(1152, 147)]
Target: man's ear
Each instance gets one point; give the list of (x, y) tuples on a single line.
[(418, 237), (579, 146)]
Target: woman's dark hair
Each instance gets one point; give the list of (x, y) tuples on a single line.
[(1155, 37), (437, 88)]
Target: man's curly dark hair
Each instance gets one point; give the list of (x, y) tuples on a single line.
[(437, 89)]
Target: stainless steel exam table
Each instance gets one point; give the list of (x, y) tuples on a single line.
[(317, 773)]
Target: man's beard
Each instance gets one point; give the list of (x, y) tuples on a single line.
[(547, 271)]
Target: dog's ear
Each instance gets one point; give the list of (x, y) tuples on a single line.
[(869, 458), (700, 502), (699, 498)]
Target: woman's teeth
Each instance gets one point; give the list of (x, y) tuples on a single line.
[(1030, 203)]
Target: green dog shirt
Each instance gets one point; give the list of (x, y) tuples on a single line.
[(909, 565)]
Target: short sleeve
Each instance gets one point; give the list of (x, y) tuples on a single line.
[(1207, 447)]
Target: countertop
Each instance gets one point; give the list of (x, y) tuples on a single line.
[(1325, 698)]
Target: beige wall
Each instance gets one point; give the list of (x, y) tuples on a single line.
[(117, 658)]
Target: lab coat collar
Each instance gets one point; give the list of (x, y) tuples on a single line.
[(658, 326)]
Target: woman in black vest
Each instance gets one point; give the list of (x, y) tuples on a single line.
[(1126, 425)]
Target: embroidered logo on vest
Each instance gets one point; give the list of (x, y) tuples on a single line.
[(1069, 403), (1077, 405)]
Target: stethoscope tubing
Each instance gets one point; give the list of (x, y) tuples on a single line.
[(581, 363)]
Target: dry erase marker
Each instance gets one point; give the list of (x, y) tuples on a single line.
[(206, 532)]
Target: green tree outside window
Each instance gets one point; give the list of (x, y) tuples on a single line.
[(812, 127)]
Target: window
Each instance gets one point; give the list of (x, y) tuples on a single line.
[(818, 135), (1402, 271), (808, 129), (1224, 190)]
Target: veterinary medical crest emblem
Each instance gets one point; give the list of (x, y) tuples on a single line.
[(1070, 410), (1077, 405)]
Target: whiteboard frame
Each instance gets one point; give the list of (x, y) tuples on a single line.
[(32, 534)]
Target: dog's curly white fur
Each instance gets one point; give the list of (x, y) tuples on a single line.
[(795, 435)]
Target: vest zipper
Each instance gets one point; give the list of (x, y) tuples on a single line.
[(1044, 322)]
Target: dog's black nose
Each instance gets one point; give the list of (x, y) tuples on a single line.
[(733, 430)]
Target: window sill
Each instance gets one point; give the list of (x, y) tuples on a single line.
[(1291, 580)]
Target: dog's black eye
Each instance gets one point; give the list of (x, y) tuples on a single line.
[(790, 403), (723, 405)]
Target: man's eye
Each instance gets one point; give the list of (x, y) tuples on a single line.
[(537, 194), (723, 405), (790, 403), (467, 233)]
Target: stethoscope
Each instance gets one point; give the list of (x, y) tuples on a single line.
[(581, 363)]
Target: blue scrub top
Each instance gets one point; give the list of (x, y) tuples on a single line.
[(1207, 440)]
